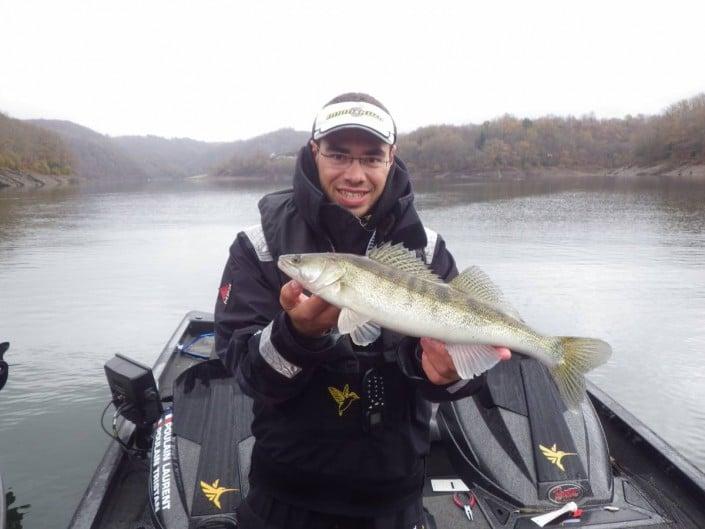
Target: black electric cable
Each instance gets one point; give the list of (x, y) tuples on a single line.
[(114, 435)]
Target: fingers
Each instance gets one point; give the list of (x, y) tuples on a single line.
[(433, 375), (437, 363), (504, 353), (290, 295), (310, 316)]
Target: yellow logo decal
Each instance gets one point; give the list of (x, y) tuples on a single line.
[(556, 456), (343, 398), (213, 492)]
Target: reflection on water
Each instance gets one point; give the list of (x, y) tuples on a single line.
[(14, 514), (87, 273)]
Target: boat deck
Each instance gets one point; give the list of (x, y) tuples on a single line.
[(648, 472)]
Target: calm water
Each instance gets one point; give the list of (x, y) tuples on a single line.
[(87, 274)]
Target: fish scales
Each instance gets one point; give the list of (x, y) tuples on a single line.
[(419, 305), (443, 312)]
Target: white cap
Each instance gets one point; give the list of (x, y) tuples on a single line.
[(355, 115)]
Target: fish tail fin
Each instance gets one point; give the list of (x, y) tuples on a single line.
[(576, 356)]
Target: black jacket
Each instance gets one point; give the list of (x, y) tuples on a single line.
[(319, 443)]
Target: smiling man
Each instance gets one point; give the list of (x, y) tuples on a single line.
[(341, 430), (354, 186)]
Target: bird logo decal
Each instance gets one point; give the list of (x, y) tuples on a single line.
[(555, 456), (214, 491), (343, 398)]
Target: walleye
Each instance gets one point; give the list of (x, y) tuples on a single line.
[(392, 288)]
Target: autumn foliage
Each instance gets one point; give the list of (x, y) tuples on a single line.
[(675, 137), (25, 147)]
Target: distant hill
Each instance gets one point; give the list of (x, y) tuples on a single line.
[(96, 156), (674, 138), (269, 154), (102, 157), (24, 147), (671, 139), (172, 158)]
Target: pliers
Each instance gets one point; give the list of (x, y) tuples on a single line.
[(465, 501)]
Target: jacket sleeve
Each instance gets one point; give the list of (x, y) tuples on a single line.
[(409, 350), (253, 335)]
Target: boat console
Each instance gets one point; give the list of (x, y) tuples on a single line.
[(525, 452)]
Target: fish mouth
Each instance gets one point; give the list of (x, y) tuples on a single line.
[(286, 263)]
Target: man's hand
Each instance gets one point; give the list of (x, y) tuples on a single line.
[(311, 316), (438, 365)]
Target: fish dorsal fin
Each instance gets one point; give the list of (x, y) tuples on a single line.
[(399, 257), (477, 284)]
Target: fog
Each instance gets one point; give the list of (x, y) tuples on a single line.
[(220, 71)]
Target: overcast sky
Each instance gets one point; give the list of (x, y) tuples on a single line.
[(226, 70)]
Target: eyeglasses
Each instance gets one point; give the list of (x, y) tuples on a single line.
[(342, 160)]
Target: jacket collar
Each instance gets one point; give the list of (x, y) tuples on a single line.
[(393, 216), (332, 227)]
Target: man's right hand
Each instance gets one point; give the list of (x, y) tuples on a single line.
[(311, 316)]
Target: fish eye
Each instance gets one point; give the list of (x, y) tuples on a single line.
[(296, 259)]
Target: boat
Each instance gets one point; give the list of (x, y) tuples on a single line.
[(4, 371), (3, 506), (498, 459), (4, 367)]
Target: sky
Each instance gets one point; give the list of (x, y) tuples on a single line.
[(227, 70)]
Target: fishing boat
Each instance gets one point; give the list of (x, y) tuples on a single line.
[(4, 371), (500, 459), (3, 506)]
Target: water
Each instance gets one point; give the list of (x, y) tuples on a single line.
[(85, 274)]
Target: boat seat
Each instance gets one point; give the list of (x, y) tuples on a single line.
[(212, 419)]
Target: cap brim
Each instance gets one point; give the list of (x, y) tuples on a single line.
[(355, 115)]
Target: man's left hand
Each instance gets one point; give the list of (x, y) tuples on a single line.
[(438, 364)]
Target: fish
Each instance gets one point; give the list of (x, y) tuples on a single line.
[(392, 288)]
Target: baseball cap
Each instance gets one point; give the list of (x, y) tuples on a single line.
[(355, 115)]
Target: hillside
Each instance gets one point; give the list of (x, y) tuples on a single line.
[(525, 146), (675, 137), (662, 143), (172, 158), (26, 148), (96, 156), (120, 158), (266, 155)]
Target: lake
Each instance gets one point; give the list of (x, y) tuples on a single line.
[(87, 273)]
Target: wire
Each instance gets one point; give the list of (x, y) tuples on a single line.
[(114, 435), (102, 418)]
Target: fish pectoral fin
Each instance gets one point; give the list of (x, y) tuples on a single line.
[(474, 282), (366, 333), (472, 359), (358, 326), (348, 320)]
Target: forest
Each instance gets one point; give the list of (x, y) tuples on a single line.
[(673, 138), (25, 147)]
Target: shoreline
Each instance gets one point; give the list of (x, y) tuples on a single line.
[(652, 174), (11, 179)]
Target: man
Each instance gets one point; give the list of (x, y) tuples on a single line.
[(341, 431)]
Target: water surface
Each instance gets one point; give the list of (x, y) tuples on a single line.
[(88, 273)]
